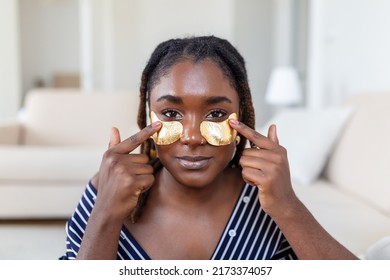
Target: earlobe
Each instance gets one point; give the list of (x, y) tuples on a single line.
[(153, 151), (238, 140)]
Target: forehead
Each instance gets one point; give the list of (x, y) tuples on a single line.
[(189, 79)]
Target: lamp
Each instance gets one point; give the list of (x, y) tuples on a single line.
[(284, 88)]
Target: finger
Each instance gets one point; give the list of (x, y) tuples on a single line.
[(269, 155), (140, 169), (262, 164), (145, 181), (136, 169), (122, 164), (127, 159), (115, 137), (131, 143), (272, 134), (252, 135), (253, 161), (253, 176), (138, 158)]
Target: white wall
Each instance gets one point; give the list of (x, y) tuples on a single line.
[(112, 39), (49, 32), (9, 60), (140, 25), (253, 38), (135, 27), (349, 49)]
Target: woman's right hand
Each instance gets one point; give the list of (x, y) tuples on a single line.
[(123, 176)]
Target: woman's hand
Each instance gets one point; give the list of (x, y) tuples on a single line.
[(123, 176), (266, 166)]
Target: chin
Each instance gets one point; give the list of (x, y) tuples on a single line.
[(194, 182)]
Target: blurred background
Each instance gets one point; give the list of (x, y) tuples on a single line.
[(337, 47), (327, 50)]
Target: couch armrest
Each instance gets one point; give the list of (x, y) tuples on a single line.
[(9, 133)]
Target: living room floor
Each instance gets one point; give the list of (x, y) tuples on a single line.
[(32, 240)]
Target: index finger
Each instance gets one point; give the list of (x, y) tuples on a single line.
[(131, 143), (252, 135)]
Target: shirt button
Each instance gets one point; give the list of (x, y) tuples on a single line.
[(232, 233), (246, 199)]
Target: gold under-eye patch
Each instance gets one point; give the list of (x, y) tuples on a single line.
[(169, 132), (219, 133)]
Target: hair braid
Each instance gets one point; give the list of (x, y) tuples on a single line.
[(161, 50)]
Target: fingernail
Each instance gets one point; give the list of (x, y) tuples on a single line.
[(234, 122), (156, 124)]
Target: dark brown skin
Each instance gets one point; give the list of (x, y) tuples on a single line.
[(192, 196)]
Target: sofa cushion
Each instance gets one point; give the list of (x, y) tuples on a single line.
[(360, 161), (29, 163), (343, 216), (39, 199), (72, 117), (309, 136), (380, 250)]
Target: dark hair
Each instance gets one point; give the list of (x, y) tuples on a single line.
[(196, 49)]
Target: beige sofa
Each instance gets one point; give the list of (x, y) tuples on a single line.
[(47, 159), (351, 198)]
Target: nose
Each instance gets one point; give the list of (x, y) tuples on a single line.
[(191, 132)]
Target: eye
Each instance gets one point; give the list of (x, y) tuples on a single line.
[(172, 115), (216, 115)]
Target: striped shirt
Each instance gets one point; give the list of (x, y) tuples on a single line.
[(250, 233)]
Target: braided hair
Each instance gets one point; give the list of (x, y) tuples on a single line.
[(195, 49)]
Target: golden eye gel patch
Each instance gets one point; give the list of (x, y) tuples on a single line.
[(219, 133), (169, 132), (215, 133)]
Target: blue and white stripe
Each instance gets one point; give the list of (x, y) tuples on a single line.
[(250, 233)]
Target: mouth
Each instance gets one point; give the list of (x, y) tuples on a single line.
[(193, 162)]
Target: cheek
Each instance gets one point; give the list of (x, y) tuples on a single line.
[(230, 151), (163, 150)]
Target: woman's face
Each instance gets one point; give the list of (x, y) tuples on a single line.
[(191, 93)]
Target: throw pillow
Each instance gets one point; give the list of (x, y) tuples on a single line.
[(309, 136)]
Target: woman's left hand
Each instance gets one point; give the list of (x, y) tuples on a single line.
[(265, 165)]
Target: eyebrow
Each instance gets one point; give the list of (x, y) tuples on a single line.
[(170, 98), (217, 99), (210, 100)]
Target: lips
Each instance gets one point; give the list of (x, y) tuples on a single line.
[(193, 162)]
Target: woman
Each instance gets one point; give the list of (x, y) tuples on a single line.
[(196, 191)]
